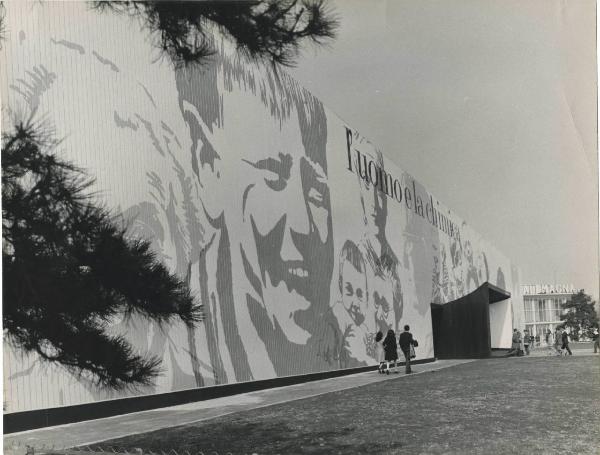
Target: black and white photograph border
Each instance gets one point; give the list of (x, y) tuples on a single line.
[(300, 226)]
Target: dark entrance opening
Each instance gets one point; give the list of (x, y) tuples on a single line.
[(461, 328)]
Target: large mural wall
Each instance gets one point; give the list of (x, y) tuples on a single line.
[(299, 236)]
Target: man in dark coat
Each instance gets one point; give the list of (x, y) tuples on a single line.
[(565, 342), (406, 341)]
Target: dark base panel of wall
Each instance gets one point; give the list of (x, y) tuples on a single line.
[(29, 420)]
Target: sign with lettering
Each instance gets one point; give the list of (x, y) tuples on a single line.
[(535, 289)]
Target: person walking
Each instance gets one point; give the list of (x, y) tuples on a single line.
[(406, 342), (596, 340), (558, 341), (514, 347), (379, 351), (526, 341), (391, 351), (565, 342), (520, 348), (550, 342)]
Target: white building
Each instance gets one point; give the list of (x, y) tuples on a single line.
[(543, 305)]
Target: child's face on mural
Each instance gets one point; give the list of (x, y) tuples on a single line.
[(354, 293)]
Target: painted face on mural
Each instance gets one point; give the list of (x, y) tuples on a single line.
[(265, 183), (292, 237), (354, 297), (373, 201), (286, 201), (353, 283), (385, 295), (383, 299)]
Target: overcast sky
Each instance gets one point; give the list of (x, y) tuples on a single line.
[(491, 105)]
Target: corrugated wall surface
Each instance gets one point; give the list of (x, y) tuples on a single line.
[(249, 188)]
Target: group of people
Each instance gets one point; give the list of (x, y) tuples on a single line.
[(521, 343), (387, 350), (557, 343)]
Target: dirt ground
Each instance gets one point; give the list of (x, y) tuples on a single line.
[(527, 405)]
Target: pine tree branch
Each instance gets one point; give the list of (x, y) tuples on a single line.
[(69, 269), (268, 30)]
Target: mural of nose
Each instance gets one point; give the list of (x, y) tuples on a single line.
[(289, 248), (297, 223)]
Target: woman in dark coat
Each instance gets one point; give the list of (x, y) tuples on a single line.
[(379, 351), (391, 350)]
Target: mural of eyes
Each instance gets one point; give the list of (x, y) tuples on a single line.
[(349, 290), (316, 183), (316, 195), (277, 170)]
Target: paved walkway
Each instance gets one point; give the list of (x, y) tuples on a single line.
[(95, 431)]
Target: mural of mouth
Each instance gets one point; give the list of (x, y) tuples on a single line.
[(298, 272), (294, 274)]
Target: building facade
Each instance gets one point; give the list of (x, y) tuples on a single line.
[(543, 306), (300, 237)]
